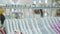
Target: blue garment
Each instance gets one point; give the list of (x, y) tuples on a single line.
[(30, 16)]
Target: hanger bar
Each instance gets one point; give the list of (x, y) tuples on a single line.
[(29, 6)]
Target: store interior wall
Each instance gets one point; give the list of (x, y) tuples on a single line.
[(26, 2)]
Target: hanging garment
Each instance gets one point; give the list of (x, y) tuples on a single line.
[(56, 27), (2, 18)]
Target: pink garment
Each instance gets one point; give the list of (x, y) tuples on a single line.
[(56, 27)]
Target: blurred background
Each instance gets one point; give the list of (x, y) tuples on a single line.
[(31, 13), (16, 10)]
